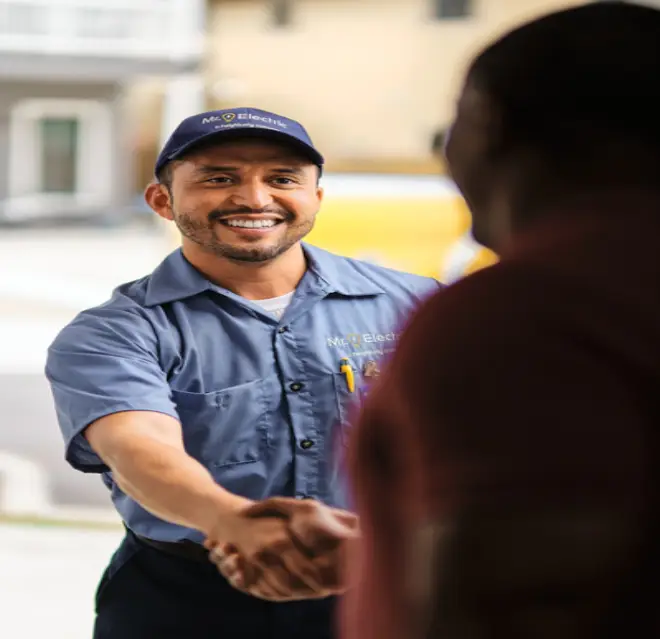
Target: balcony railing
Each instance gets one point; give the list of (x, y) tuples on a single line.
[(153, 29)]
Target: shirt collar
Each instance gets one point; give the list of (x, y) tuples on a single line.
[(176, 279), (340, 274)]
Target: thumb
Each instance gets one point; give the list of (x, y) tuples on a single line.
[(324, 532), (349, 519)]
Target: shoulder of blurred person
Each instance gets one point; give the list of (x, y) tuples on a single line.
[(476, 416), (523, 316)]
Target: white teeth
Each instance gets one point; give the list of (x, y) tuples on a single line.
[(252, 224)]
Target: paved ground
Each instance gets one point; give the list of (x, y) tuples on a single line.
[(48, 577), (46, 278)]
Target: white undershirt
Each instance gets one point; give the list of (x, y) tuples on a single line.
[(276, 305)]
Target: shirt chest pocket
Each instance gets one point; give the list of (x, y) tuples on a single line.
[(349, 402), (226, 427)]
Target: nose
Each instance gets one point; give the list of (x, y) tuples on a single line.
[(253, 194)]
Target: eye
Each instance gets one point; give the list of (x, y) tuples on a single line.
[(284, 181), (219, 180)]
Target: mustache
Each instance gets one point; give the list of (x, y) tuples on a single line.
[(219, 214)]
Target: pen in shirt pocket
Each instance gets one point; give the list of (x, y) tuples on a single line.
[(346, 370)]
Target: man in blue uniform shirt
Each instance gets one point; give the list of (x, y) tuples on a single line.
[(211, 394)]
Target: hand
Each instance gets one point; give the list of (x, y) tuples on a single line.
[(296, 551), (323, 533), (272, 567)]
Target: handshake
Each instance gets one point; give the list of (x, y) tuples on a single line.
[(284, 549)]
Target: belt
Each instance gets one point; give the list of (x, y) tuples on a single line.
[(184, 549)]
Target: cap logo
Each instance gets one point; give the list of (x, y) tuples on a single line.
[(228, 117)]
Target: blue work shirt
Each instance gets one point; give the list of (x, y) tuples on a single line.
[(260, 400)]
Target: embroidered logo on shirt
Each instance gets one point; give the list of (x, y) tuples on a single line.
[(362, 340), (364, 344)]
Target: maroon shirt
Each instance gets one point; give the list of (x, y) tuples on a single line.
[(524, 393)]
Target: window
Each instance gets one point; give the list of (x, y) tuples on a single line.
[(282, 12), (452, 9), (59, 154), (22, 19)]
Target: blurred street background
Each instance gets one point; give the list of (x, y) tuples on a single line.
[(89, 90)]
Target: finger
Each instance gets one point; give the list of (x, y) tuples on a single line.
[(350, 520), (219, 551), (236, 581), (233, 574), (231, 567), (275, 575), (254, 582), (331, 569), (217, 555), (324, 568), (266, 589), (320, 531), (302, 570)]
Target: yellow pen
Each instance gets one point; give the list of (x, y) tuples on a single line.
[(347, 371)]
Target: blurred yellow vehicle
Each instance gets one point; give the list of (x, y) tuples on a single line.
[(418, 224)]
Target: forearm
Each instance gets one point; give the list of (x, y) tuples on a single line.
[(170, 484)]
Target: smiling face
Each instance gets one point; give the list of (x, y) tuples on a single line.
[(245, 200)]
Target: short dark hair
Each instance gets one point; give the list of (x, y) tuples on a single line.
[(165, 175), (593, 68)]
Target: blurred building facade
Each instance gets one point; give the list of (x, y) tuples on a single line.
[(89, 89), (373, 80), (66, 66)]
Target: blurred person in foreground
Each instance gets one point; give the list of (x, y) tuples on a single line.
[(505, 465), (211, 393)]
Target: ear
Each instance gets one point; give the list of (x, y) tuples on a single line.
[(158, 198), (320, 192)]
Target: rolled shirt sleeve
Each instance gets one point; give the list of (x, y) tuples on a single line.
[(104, 362)]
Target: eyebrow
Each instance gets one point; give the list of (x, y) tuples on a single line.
[(207, 169)]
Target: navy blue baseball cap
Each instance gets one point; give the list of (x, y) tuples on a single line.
[(236, 123)]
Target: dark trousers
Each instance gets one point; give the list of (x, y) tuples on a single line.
[(147, 594)]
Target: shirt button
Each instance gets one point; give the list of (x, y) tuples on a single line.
[(282, 329), (306, 444), (296, 387), (302, 496)]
